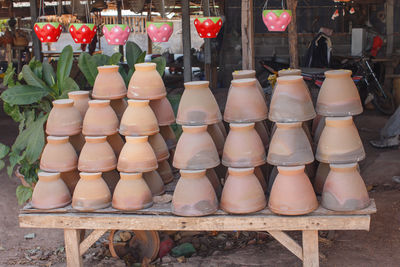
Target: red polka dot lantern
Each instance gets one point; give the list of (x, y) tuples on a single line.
[(208, 27), (48, 32), (82, 33)]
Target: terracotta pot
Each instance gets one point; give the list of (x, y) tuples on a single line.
[(243, 147), (242, 192), (215, 182), (198, 105), (290, 146), (344, 189), (132, 193), (163, 110), (64, 119), (77, 141), (50, 192), (58, 155), (194, 195), (111, 178), (116, 34), (70, 179), (169, 136), (217, 136), (146, 83), (138, 119), (109, 84), (137, 155), (262, 131), (100, 119), (195, 149), (159, 147), (81, 99), (119, 106), (340, 142), (91, 193), (221, 126), (291, 101), (260, 176), (338, 95), (159, 31), (289, 72), (165, 171), (292, 192), (116, 142), (246, 74), (155, 182), (245, 102), (97, 155)]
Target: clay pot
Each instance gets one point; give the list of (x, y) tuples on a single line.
[(320, 177), (245, 102), (109, 84), (77, 141), (260, 176), (221, 126), (338, 95), (111, 178), (155, 182), (138, 119), (248, 74), (70, 178), (64, 119), (132, 193), (194, 195), (146, 83), (159, 147), (100, 119), (81, 99), (116, 142), (119, 106), (289, 72), (198, 105), (137, 155), (91, 193), (195, 149), (243, 147), (290, 146), (291, 101), (50, 192), (169, 136), (215, 182), (344, 189), (242, 192), (165, 171), (163, 110), (292, 192), (262, 131), (217, 136), (340, 142), (58, 155), (97, 155)]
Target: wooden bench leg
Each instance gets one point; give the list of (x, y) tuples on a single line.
[(72, 241), (310, 248)]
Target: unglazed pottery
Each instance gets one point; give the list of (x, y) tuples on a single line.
[(97, 155), (243, 147), (91, 193), (163, 110), (320, 177), (138, 119), (132, 193), (155, 182), (81, 99), (292, 192), (344, 189), (70, 178), (214, 180), (217, 136), (290, 146), (77, 141), (195, 149), (246, 74), (340, 142), (165, 171), (260, 176), (169, 136), (262, 131), (291, 101), (198, 105), (137, 155), (100, 119), (50, 192), (245, 102), (289, 72), (194, 195), (119, 106), (338, 95), (159, 147), (64, 119), (109, 84), (242, 192), (146, 83), (116, 142), (58, 155)]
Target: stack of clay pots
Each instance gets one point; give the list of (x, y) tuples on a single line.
[(290, 148), (339, 144)]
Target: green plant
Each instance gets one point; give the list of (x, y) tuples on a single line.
[(28, 100)]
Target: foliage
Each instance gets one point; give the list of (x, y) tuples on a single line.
[(3, 152), (28, 100), (174, 100)]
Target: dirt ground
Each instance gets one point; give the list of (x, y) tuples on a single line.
[(378, 247)]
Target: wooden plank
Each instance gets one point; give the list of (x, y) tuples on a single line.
[(310, 248), (186, 42), (247, 35), (292, 36), (288, 242), (88, 241), (71, 239)]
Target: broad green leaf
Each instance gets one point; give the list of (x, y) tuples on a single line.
[(13, 111), (2, 164), (9, 76), (45, 105), (129, 75), (64, 65), (88, 67), (36, 67), (100, 59), (123, 74), (23, 194), (31, 79), (23, 94), (133, 52), (49, 75), (115, 59), (67, 86), (174, 100), (36, 139), (3, 150), (14, 158), (161, 64)]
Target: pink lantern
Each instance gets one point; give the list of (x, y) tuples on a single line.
[(116, 34), (159, 31), (276, 20)]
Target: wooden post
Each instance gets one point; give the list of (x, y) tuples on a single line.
[(389, 26), (59, 8), (149, 41), (292, 36), (247, 35), (207, 46), (187, 61), (72, 241), (119, 16), (310, 248), (37, 46)]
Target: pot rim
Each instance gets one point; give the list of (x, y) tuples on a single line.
[(343, 166), (291, 169), (78, 93), (95, 139), (289, 79), (338, 73), (108, 68), (48, 176), (136, 139), (244, 82), (57, 138), (289, 124), (146, 66), (99, 102), (196, 84), (63, 102), (241, 125)]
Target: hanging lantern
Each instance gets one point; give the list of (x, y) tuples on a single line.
[(116, 34), (276, 20), (208, 27), (48, 32), (159, 31), (82, 33)]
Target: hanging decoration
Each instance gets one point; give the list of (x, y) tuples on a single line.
[(47, 32), (159, 31), (82, 33), (208, 27), (276, 20), (116, 34)]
